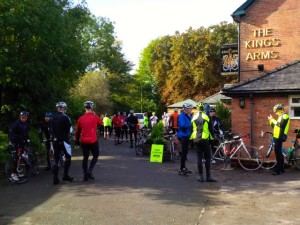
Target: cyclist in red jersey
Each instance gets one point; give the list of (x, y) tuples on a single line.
[(117, 123), (86, 135)]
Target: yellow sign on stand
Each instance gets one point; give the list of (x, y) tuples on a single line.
[(157, 152)]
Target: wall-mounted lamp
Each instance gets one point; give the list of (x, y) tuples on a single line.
[(242, 103), (260, 67)]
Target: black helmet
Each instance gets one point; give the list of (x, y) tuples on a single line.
[(61, 105), (48, 114), (89, 104), (24, 113)]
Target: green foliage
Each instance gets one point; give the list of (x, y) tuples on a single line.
[(157, 134), (3, 144), (224, 113), (45, 47)]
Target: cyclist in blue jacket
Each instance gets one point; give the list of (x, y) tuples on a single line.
[(183, 134)]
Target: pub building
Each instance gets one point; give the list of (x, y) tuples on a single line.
[(269, 67)]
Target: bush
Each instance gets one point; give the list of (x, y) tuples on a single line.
[(3, 144), (157, 134), (224, 113)]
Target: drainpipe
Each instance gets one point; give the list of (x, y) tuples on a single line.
[(239, 52), (251, 119)]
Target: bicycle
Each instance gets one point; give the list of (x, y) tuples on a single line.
[(51, 155), (172, 145), (223, 141), (248, 160), (292, 156), (141, 137), (24, 164)]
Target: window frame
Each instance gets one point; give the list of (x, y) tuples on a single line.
[(291, 104)]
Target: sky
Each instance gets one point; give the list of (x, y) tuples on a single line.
[(138, 22)]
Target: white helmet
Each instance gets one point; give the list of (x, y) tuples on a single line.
[(89, 104), (61, 105)]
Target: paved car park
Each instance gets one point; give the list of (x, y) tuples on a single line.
[(130, 190)]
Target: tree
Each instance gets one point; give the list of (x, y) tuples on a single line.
[(93, 86), (187, 65), (41, 53)]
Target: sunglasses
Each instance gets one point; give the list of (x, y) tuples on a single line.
[(24, 117)]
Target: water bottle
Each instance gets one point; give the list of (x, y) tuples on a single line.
[(283, 150), (290, 152), (25, 155), (227, 151)]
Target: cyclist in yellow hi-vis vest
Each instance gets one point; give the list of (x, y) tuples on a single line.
[(280, 130), (202, 134)]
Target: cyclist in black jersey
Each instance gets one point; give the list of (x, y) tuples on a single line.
[(60, 128), (18, 137), (45, 130), (132, 122)]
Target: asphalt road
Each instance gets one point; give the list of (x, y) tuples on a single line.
[(130, 190)]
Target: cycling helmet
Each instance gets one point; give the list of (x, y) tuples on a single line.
[(48, 114), (176, 110), (201, 106), (61, 105), (131, 111), (278, 107), (188, 106), (89, 104), (24, 113)]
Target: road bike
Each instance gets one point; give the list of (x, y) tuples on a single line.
[(141, 138), (24, 162), (291, 156), (249, 158), (51, 155), (173, 145)]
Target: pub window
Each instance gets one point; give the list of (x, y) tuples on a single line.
[(294, 106)]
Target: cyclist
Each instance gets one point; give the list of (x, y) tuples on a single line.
[(146, 120), (18, 137), (183, 134), (61, 127), (124, 130), (153, 119), (45, 129), (132, 122), (217, 129), (107, 125), (280, 130), (202, 134), (117, 124), (173, 124), (86, 135)]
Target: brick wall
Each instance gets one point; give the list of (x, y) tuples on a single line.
[(262, 107), (280, 17)]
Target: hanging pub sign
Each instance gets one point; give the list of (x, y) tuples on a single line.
[(229, 59)]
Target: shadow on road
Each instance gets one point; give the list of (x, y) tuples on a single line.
[(124, 179)]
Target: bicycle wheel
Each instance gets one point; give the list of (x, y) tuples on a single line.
[(296, 158), (219, 153), (34, 163), (172, 151), (62, 160), (269, 161), (9, 167), (139, 146), (250, 159)]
